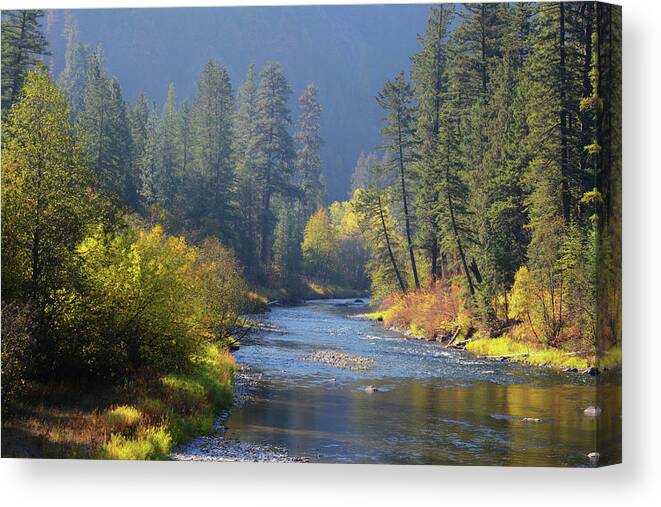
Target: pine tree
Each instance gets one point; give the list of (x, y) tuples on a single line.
[(396, 99), (23, 44), (213, 172), (103, 118), (121, 143), (452, 213), (372, 205), (245, 151), (186, 139), (74, 75), (169, 150), (275, 151), (496, 204), (139, 116), (430, 78), (476, 44), (287, 262), (362, 173), (147, 164), (308, 161)]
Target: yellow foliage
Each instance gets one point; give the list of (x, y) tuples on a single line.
[(536, 354), (150, 300), (319, 244)]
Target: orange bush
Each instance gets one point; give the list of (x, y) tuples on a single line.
[(430, 313)]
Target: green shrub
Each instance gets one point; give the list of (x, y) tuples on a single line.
[(17, 352)]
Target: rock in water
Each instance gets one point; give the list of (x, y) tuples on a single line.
[(341, 360), (592, 370), (592, 411), (371, 389), (594, 457)]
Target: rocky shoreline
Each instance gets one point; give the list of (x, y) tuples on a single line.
[(218, 448)]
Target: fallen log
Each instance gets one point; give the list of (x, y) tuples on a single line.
[(454, 337), (507, 356), (460, 345)]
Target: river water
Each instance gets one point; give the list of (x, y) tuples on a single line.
[(431, 405)]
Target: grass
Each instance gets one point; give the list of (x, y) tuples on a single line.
[(142, 420), (539, 355), (377, 315), (121, 418), (149, 443), (612, 358)]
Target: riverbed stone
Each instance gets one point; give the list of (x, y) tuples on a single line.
[(592, 411), (341, 360), (218, 448)]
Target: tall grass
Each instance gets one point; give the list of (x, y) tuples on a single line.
[(538, 355), (186, 407)]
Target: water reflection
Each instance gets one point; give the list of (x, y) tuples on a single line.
[(450, 416)]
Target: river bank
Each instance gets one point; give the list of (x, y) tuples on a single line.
[(216, 447), (440, 316), (142, 419)]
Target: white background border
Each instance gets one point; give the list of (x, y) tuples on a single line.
[(636, 482)]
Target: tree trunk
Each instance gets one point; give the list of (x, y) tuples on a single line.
[(434, 262), (434, 250), (407, 220), (564, 150), (455, 230), (390, 254)]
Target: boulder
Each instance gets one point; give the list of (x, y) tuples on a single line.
[(592, 370), (594, 457), (592, 411)]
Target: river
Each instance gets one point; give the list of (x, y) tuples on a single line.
[(430, 405)]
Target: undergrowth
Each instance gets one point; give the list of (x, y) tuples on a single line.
[(145, 419)]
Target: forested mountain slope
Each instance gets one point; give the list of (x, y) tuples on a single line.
[(348, 51)]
